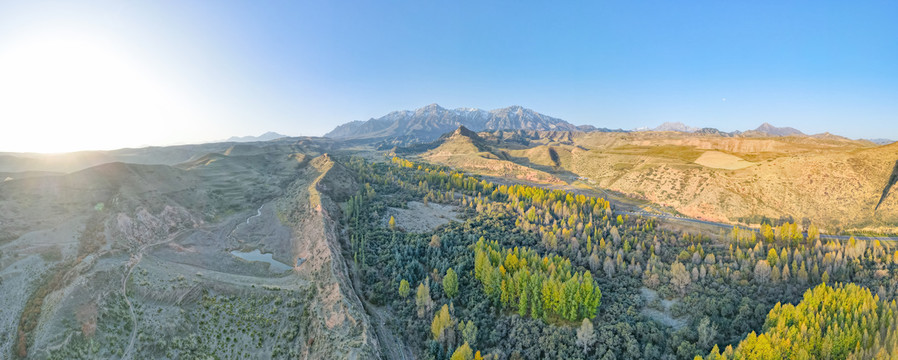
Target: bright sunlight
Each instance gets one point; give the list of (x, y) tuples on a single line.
[(60, 92)]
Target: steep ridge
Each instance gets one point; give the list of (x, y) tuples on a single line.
[(460, 142), (343, 329), (465, 149)]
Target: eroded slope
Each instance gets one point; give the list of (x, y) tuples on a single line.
[(131, 261)]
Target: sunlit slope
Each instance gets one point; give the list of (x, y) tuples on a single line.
[(465, 149), (833, 181), (838, 184), (841, 322)]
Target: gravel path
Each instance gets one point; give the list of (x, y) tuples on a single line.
[(132, 263)]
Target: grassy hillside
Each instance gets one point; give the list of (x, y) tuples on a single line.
[(464, 149), (836, 182), (533, 273)]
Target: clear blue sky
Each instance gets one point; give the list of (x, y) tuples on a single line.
[(219, 68)]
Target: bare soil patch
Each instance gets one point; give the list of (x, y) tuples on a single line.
[(719, 160), (659, 309), (422, 218)]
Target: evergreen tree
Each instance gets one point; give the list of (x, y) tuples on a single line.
[(463, 352), (403, 288), (450, 283)]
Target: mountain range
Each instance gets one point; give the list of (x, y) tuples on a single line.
[(766, 128), (881, 141), (676, 126), (428, 123), (264, 137)]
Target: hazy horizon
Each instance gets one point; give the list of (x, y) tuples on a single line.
[(106, 75), (163, 144), (147, 210)]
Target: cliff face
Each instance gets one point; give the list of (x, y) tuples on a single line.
[(339, 329)]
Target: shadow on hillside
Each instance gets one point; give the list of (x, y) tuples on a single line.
[(891, 182)]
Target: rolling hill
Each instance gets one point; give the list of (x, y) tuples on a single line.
[(204, 249), (463, 148), (156, 259), (832, 181)]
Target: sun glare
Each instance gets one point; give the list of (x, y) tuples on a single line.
[(65, 93)]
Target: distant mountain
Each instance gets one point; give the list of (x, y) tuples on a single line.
[(880, 141), (713, 131), (828, 136), (768, 129), (676, 126), (264, 137), (428, 123)]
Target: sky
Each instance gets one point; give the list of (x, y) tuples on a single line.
[(111, 74)]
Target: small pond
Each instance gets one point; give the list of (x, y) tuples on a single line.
[(257, 255)]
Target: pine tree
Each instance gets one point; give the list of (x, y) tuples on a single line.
[(463, 352), (403, 288), (450, 283), (523, 304), (469, 332), (423, 301), (441, 321)]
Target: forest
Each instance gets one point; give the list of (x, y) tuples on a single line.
[(534, 273)]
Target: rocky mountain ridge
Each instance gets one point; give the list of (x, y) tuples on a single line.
[(430, 122)]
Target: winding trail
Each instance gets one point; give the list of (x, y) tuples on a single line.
[(135, 260), (132, 263), (258, 213)]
